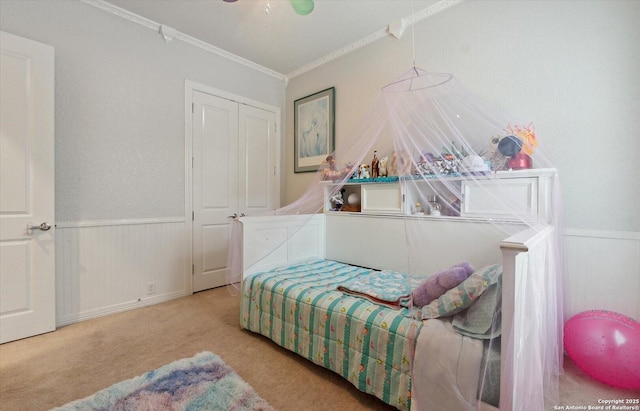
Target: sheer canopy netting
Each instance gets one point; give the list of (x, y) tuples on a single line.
[(437, 137)]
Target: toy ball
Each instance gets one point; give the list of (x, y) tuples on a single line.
[(606, 346), (353, 199)]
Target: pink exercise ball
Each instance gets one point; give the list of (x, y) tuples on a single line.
[(606, 346)]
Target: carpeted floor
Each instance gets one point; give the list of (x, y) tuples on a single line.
[(50, 370)]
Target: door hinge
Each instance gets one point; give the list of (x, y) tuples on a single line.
[(193, 108), (275, 128), (193, 269), (275, 173), (193, 162), (193, 216)]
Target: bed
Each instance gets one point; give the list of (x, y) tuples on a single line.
[(299, 307), (294, 265)]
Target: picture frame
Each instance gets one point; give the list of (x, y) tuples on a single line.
[(314, 130)]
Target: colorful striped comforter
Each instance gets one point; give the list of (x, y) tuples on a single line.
[(300, 308)]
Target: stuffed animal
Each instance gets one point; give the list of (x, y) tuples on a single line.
[(364, 171), (399, 164), (383, 166), (440, 282)]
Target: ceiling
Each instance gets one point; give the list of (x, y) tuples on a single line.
[(280, 40)]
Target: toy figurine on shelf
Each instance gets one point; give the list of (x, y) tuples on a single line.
[(364, 171), (375, 165), (330, 171), (434, 205), (527, 137), (382, 169), (338, 200), (424, 164), (349, 171), (514, 150), (356, 173)]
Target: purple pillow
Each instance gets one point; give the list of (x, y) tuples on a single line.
[(440, 282)]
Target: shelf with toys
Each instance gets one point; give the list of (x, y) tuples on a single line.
[(453, 183), (495, 194)]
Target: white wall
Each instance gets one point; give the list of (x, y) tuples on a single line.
[(120, 107), (120, 151), (571, 67)]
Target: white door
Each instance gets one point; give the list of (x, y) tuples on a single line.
[(215, 186), (27, 255), (233, 173), (258, 170)]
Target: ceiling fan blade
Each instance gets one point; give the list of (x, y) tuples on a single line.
[(302, 7)]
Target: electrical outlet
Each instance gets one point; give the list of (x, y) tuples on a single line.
[(151, 287)]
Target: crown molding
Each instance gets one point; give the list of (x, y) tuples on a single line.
[(125, 14), (415, 17)]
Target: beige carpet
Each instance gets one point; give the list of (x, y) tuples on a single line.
[(73, 362)]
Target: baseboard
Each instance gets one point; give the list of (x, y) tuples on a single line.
[(117, 222), (118, 308)]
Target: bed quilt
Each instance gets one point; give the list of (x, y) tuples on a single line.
[(300, 308), (386, 287)]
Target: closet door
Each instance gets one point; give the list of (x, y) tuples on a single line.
[(214, 186), (234, 173), (257, 172)]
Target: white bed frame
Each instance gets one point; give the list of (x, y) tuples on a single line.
[(379, 242)]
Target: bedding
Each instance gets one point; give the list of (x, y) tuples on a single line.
[(388, 288), (300, 308), (464, 295), (345, 318), (451, 363)]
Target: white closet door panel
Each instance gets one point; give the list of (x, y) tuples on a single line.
[(219, 175), (215, 186), (257, 160), (214, 239)]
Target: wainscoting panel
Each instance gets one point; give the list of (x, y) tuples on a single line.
[(107, 267), (603, 272)]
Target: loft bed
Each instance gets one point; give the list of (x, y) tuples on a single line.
[(404, 377)]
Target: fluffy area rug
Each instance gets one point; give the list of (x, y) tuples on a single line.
[(203, 382)]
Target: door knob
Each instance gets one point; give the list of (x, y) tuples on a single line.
[(44, 227), (235, 215)]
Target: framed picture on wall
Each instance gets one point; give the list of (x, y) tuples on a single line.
[(314, 126)]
